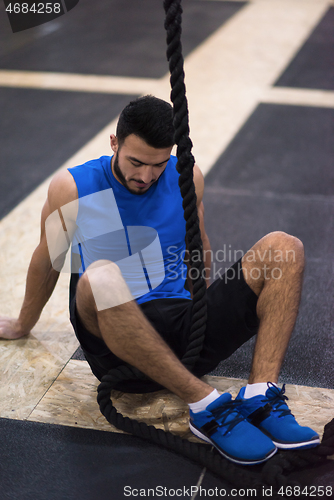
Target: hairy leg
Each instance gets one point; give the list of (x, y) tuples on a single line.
[(273, 268), (128, 333)]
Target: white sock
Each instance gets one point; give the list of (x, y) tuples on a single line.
[(259, 389), (203, 403)]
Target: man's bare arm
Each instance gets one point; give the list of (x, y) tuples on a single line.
[(206, 245), (199, 187), (41, 277)]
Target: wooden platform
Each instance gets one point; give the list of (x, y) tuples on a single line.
[(71, 400)]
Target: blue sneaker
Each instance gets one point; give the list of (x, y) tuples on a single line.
[(272, 416), (224, 427)]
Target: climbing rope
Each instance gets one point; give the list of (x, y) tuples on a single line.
[(275, 471), (185, 166)]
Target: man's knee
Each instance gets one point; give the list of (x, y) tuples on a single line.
[(275, 255), (101, 272), (104, 280), (285, 250)]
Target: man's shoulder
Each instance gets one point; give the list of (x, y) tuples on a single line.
[(172, 160), (92, 176), (62, 189), (94, 164)]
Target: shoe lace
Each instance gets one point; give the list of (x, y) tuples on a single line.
[(278, 400), (222, 413)]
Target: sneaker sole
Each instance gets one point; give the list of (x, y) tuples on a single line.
[(197, 433), (292, 446), (295, 446)]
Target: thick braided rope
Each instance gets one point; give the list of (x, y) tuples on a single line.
[(185, 165), (199, 453), (273, 473)]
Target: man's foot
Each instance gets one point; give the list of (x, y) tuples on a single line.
[(272, 416), (224, 427)]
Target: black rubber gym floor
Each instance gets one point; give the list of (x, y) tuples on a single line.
[(313, 67), (277, 174), (53, 462), (124, 38), (41, 129)]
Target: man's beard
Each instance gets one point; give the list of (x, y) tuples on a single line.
[(123, 181), (119, 173)]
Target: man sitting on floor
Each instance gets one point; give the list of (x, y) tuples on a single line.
[(129, 301)]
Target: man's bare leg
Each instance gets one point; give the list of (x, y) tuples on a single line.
[(273, 268), (129, 335)]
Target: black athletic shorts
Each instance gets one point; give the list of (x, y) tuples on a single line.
[(232, 321)]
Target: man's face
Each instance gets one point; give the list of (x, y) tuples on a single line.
[(137, 165)]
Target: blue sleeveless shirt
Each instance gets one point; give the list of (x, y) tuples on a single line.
[(143, 234)]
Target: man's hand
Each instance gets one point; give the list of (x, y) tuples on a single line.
[(11, 329)]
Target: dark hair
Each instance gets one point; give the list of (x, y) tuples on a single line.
[(149, 118)]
